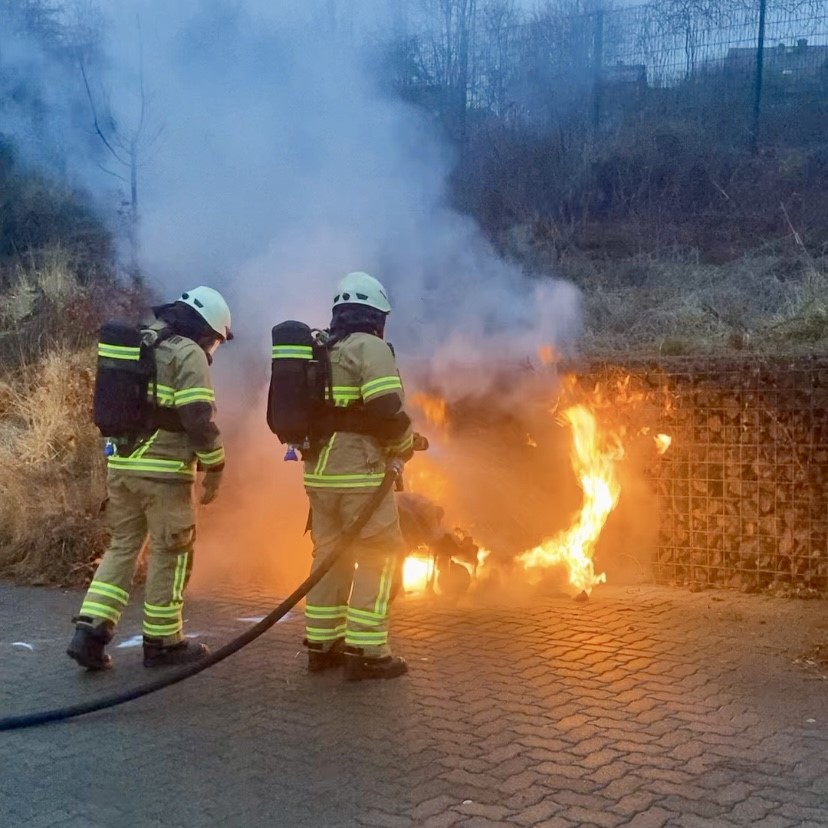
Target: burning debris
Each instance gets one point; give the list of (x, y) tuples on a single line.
[(595, 452)]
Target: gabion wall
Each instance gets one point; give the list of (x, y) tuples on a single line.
[(742, 492)]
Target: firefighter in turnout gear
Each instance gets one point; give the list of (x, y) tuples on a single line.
[(151, 480), (347, 612)]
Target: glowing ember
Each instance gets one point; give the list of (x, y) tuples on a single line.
[(433, 408), (662, 442), (417, 572), (593, 459)]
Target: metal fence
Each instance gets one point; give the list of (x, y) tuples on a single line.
[(742, 492), (738, 68)]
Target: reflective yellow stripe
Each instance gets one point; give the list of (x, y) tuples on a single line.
[(403, 445), (143, 447), (178, 468), (128, 352), (211, 458), (109, 591), (97, 610), (343, 394), (292, 352), (154, 630), (323, 634), (164, 394), (380, 386), (193, 395), (384, 591), (170, 611), (372, 638), (325, 612), (367, 617), (323, 456), (180, 577), (343, 481)]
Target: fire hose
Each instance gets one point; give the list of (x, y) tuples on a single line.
[(349, 534)]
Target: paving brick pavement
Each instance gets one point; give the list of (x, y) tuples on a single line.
[(644, 707)]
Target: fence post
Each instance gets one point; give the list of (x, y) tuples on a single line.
[(597, 69), (757, 85)]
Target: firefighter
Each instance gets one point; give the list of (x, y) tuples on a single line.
[(347, 612), (150, 487)]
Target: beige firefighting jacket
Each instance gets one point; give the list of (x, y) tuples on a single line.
[(363, 369), (186, 397)]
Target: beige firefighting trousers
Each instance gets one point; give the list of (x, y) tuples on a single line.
[(163, 511), (351, 601)]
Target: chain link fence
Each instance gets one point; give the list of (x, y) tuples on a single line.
[(747, 71)]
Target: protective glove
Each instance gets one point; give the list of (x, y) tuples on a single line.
[(210, 486), (420, 442), (396, 465)]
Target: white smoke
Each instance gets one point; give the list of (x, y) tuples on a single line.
[(281, 164)]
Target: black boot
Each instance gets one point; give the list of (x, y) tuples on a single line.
[(320, 660), (88, 642), (156, 654), (359, 666)]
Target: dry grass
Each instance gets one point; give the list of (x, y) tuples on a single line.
[(646, 308), (51, 471)]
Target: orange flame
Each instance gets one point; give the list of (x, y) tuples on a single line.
[(433, 408), (593, 458), (662, 442), (418, 570)]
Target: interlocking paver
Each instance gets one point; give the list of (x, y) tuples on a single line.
[(631, 709)]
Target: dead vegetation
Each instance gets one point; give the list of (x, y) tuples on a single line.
[(51, 472), (756, 305), (52, 475)]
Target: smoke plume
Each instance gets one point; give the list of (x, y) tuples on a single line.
[(272, 162)]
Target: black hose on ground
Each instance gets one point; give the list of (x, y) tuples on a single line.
[(348, 536)]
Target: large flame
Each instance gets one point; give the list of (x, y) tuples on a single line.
[(594, 456), (418, 570)]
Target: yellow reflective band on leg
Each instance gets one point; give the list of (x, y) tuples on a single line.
[(180, 575), (171, 611), (384, 591), (97, 610), (321, 634), (312, 611), (161, 630), (371, 639), (368, 619), (109, 591)]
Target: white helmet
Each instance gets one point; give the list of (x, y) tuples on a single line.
[(362, 289), (209, 304)]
